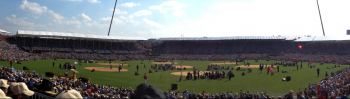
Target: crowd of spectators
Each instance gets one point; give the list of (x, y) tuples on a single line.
[(333, 87), (226, 95), (12, 52), (52, 86)]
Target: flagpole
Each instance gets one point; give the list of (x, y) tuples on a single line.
[(110, 25), (319, 13)]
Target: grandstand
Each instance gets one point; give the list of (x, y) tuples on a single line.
[(65, 65), (115, 47), (44, 42), (38, 45)]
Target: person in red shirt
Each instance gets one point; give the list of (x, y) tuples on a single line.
[(145, 77)]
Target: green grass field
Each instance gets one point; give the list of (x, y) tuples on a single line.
[(253, 82)]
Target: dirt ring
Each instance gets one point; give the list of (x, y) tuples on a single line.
[(105, 69)]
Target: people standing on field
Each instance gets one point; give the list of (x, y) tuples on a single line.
[(145, 77), (119, 68), (230, 75), (137, 68), (261, 67), (297, 67), (318, 72)]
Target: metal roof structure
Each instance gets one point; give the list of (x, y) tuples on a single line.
[(46, 34), (65, 35), (3, 32), (323, 38)]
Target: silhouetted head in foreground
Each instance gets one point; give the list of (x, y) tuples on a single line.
[(146, 91)]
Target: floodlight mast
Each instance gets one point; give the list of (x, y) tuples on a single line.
[(110, 25), (319, 13)]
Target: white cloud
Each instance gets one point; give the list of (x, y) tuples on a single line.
[(94, 1), (55, 16), (152, 23), (73, 22), (36, 8), (268, 17), (85, 17), (169, 6), (220, 18), (33, 7), (74, 0), (118, 11), (141, 13), (105, 19), (80, 21), (133, 19), (129, 4), (13, 19), (23, 23), (261, 18), (137, 23), (89, 1)]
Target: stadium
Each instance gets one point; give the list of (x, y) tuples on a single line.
[(49, 52), (241, 66)]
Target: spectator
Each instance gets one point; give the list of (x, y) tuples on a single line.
[(145, 91), (20, 90), (3, 95), (69, 94), (4, 85)]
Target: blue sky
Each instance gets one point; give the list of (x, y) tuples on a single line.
[(175, 18)]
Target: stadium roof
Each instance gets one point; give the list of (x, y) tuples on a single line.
[(65, 35), (323, 38), (229, 38), (3, 32), (46, 34)]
